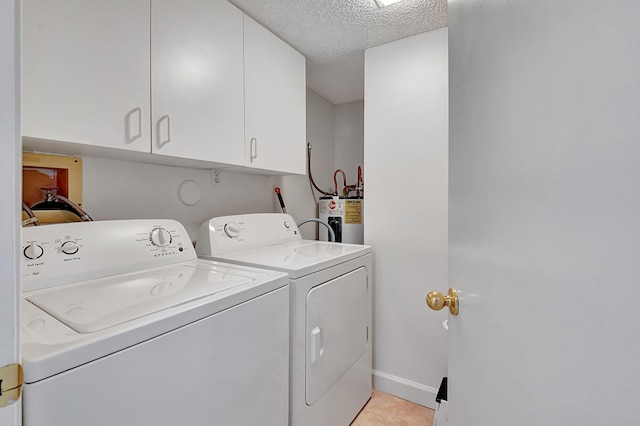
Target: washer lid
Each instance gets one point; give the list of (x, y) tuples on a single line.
[(99, 304), (297, 258)]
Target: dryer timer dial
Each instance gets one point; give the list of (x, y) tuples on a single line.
[(160, 237), (232, 230)]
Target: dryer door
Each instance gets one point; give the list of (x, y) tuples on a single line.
[(336, 330)]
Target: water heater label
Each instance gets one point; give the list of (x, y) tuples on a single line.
[(353, 212)]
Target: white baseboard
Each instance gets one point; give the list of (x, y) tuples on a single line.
[(405, 389)]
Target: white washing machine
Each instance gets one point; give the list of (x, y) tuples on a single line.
[(123, 325), (330, 311)]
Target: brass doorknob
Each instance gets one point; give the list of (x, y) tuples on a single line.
[(437, 301)]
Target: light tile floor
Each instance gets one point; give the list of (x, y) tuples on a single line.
[(387, 410)]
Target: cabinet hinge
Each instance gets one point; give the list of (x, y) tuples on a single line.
[(11, 382)]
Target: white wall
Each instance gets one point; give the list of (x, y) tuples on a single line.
[(296, 190), (11, 191), (115, 189), (349, 139), (336, 133), (406, 163), (321, 129)]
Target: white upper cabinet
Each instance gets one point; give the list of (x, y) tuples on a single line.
[(197, 80), (275, 102), (187, 82), (85, 72)]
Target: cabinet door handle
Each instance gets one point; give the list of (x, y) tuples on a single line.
[(130, 136), (163, 141), (253, 149)]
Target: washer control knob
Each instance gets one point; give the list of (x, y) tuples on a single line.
[(232, 229), (160, 237), (33, 251), (70, 247)]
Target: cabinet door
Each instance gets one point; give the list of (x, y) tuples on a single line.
[(85, 72), (275, 102), (197, 84)]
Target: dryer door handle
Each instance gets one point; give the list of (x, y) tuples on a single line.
[(316, 348)]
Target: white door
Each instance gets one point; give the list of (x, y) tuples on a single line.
[(544, 212), (9, 176)]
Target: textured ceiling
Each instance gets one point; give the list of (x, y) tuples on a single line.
[(332, 35)]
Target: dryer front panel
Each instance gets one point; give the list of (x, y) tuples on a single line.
[(336, 330)]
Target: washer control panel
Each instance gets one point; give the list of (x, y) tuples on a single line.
[(70, 252), (232, 233)]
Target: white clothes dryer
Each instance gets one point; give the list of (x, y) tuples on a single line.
[(123, 325), (330, 309)]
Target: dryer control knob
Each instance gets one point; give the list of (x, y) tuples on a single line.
[(232, 230), (69, 247), (160, 237), (33, 251)]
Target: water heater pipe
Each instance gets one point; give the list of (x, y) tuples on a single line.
[(311, 177)]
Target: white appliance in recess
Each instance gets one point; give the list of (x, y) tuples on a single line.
[(123, 325), (330, 311)]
